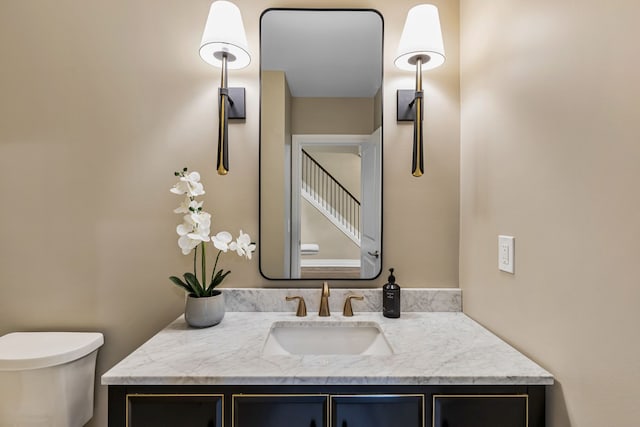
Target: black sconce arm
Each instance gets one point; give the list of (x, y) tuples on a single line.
[(231, 105)]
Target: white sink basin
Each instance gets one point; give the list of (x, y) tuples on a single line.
[(323, 338)]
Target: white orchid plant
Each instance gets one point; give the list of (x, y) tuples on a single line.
[(194, 233)]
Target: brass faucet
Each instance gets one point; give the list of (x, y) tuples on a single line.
[(347, 311), (324, 301), (302, 307)]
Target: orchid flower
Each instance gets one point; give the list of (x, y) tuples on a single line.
[(188, 205), (189, 184), (194, 232), (221, 240), (243, 245)]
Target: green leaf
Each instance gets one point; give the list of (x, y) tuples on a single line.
[(192, 280), (178, 282), (215, 280), (218, 278)]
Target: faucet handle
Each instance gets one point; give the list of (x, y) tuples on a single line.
[(325, 289), (348, 310), (323, 311), (302, 307)]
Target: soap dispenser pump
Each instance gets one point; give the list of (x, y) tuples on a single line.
[(391, 297)]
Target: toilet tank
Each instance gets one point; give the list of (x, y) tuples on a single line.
[(47, 378)]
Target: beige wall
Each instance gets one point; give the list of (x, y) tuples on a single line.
[(342, 116), (316, 228), (550, 151), (275, 134), (103, 100)]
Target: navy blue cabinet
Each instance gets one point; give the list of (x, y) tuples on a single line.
[(279, 410), (174, 410), (326, 406), (377, 411), (480, 410)]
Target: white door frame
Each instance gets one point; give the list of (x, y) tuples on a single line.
[(371, 208)]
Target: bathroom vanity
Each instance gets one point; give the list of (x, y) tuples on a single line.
[(424, 369)]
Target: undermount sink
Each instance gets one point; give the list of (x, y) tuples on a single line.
[(325, 338)]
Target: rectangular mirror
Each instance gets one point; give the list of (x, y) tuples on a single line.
[(320, 144)]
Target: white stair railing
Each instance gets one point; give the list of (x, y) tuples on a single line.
[(330, 197)]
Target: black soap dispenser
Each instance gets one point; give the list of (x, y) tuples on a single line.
[(391, 297)]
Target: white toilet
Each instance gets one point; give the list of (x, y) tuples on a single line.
[(46, 378)]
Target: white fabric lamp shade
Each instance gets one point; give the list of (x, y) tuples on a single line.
[(224, 34), (421, 37)]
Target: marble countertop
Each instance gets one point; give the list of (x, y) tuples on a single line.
[(429, 348)]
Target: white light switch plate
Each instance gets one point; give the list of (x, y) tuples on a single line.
[(506, 253)]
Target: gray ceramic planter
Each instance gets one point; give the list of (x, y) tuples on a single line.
[(204, 312)]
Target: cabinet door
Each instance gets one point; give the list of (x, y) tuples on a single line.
[(280, 410), (166, 410), (377, 411), (480, 410)]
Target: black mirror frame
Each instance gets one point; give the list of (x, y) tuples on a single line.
[(260, 248)]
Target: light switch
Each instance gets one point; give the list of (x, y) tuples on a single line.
[(506, 253)]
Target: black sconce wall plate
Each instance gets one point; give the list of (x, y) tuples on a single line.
[(405, 105), (236, 103)]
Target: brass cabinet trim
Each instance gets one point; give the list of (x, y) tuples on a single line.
[(240, 395), (421, 396), (129, 395), (509, 396)]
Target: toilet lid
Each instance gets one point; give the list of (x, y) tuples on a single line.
[(33, 350)]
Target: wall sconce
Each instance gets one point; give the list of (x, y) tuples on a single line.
[(224, 45), (421, 48)]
